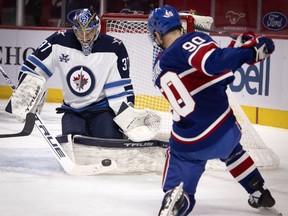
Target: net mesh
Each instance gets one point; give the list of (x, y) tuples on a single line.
[(132, 30)]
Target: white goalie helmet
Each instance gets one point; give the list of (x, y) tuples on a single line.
[(86, 26)]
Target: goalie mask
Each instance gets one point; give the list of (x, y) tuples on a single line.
[(86, 26), (162, 20)]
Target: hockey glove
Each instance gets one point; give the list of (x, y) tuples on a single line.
[(242, 39), (138, 125), (264, 47)]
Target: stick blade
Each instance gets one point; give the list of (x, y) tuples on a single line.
[(29, 124), (27, 129)]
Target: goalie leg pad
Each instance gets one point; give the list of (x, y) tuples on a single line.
[(27, 95), (42, 100)]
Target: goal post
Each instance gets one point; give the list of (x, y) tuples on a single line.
[(132, 30)]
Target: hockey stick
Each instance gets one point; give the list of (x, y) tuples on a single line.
[(7, 79), (27, 129), (117, 143), (66, 163), (200, 28)]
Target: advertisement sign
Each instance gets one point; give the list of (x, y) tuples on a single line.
[(16, 45), (236, 15), (261, 85)]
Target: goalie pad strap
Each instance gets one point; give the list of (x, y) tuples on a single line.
[(116, 143)]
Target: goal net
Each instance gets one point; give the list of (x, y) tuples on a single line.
[(132, 30)]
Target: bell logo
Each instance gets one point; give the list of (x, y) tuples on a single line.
[(254, 80)]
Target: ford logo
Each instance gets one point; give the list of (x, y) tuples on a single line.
[(274, 21)]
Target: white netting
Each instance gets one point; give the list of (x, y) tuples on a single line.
[(132, 30), (132, 160)]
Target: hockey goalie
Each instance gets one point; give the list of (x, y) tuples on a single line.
[(97, 88), (94, 71)]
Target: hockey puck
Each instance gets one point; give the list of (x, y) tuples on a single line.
[(106, 162)]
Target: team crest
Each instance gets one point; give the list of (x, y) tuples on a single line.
[(81, 80)]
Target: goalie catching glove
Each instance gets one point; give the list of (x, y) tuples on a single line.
[(29, 96), (262, 45), (138, 125)]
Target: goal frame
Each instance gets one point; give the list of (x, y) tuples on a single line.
[(139, 17)]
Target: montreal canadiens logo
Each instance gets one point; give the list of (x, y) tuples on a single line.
[(274, 21), (81, 80)]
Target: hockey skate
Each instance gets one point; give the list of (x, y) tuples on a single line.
[(261, 197), (172, 202)]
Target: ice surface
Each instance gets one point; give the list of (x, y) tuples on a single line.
[(33, 184)]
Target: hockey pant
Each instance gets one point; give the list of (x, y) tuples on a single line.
[(95, 124)]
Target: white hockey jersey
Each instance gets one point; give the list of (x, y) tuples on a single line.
[(98, 80)]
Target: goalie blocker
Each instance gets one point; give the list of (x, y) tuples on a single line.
[(29, 96)]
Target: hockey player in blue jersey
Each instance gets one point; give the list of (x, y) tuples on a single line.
[(95, 75), (192, 73)]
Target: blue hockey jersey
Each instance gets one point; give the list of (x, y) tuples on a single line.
[(98, 80), (193, 74)]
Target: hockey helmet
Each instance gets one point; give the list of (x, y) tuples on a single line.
[(162, 20), (86, 26)]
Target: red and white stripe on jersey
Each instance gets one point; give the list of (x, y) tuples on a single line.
[(241, 167), (204, 134), (166, 165), (198, 58), (196, 81)]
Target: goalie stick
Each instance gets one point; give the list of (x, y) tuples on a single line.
[(27, 129), (66, 163), (116, 143)]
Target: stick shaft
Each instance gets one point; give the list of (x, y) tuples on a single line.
[(200, 28)]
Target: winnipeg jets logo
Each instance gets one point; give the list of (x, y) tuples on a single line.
[(81, 80), (116, 40), (64, 58)]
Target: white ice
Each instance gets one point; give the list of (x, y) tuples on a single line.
[(33, 184)]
